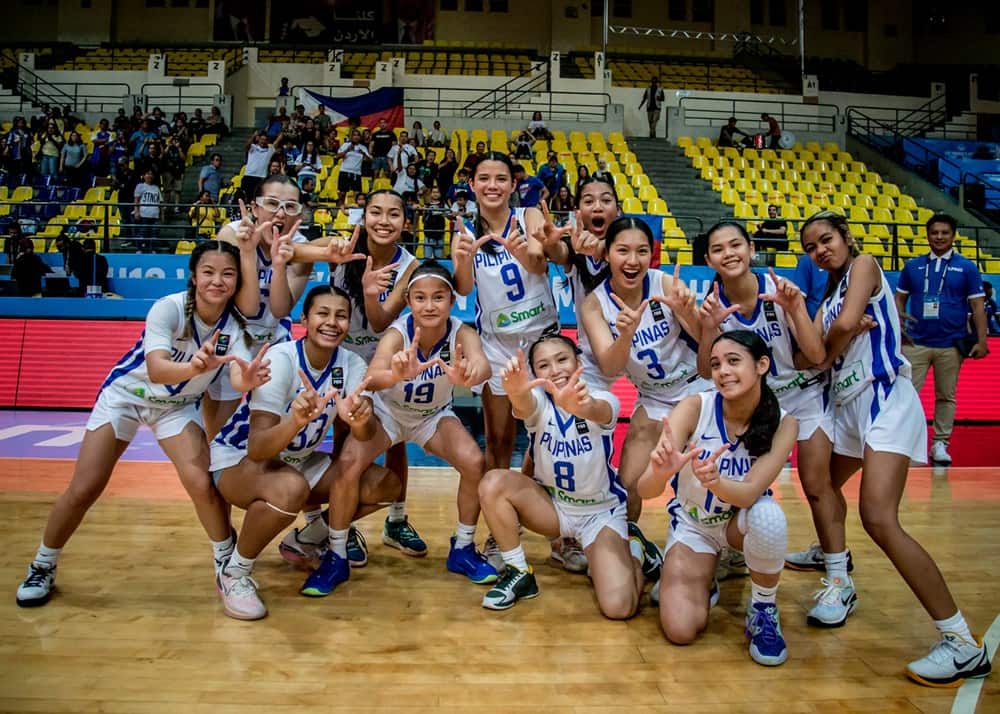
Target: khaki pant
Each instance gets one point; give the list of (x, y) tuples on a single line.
[(946, 362)]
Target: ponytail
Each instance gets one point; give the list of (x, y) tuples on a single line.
[(837, 222)]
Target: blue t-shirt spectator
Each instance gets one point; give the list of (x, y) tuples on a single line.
[(552, 176), (945, 283), (211, 180), (812, 280), (140, 141), (529, 191)]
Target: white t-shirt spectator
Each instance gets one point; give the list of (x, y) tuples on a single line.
[(470, 209), (257, 160), (149, 198), (353, 155), (407, 184), (354, 215), (406, 153)]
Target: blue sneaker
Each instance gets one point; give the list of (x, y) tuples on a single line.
[(767, 646), (471, 563), (332, 571)]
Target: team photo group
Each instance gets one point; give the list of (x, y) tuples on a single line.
[(728, 384)]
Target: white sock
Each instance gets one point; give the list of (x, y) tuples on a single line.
[(47, 556), (836, 566), (515, 558), (238, 565), (312, 515), (397, 511), (338, 542), (758, 593), (464, 535), (222, 549), (957, 625)]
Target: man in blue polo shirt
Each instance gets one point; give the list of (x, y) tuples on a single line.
[(530, 189), (939, 286)]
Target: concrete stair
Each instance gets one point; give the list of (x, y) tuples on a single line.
[(688, 197)]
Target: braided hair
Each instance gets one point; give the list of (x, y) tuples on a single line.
[(766, 415), (190, 297), (354, 270), (837, 222)]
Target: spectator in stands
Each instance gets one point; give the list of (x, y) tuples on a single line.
[(356, 213), (70, 120), (351, 154), (275, 124), (582, 174), (561, 204), (366, 164), (523, 147), (153, 162), (772, 233), (259, 153), (401, 155), (552, 173), (382, 140), (124, 182), (100, 164), (174, 162), (276, 165), (538, 129), (463, 208), (773, 131), (181, 132), (408, 184), (147, 212), (135, 121), (990, 306), (530, 190), (418, 136), (652, 99), (196, 124), (83, 262), (472, 160), (307, 197), (603, 174), (12, 241), (121, 122), (55, 117), (941, 287), (322, 120), (283, 89), (434, 216), (73, 161), (206, 217), (446, 171), (40, 119), (427, 169), (215, 124), (17, 148), (437, 136), (50, 148), (307, 159), (141, 139), (158, 122), (119, 150), (460, 184), (28, 270), (727, 134), (210, 177)]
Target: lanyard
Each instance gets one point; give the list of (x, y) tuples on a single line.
[(944, 272)]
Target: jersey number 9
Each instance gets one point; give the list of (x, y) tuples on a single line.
[(512, 276)]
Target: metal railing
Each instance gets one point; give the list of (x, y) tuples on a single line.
[(555, 106), (181, 96), (791, 116), (513, 90)]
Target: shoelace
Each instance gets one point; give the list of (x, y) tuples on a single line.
[(764, 625), (946, 649), (407, 532), (243, 586), (507, 578), (829, 595), (36, 575), (357, 538)]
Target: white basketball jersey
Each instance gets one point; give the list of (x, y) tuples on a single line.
[(572, 456), (264, 326), (590, 366), (510, 301), (772, 325), (663, 360), (344, 372), (431, 391), (362, 339), (875, 356), (165, 325), (697, 502)]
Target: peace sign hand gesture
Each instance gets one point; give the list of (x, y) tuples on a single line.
[(464, 245), (628, 319), (376, 282), (548, 232), (247, 232), (205, 359), (516, 243), (354, 410), (308, 404), (252, 374), (282, 250), (665, 459), (712, 312), (341, 250), (786, 295), (706, 470), (515, 377), (406, 365)]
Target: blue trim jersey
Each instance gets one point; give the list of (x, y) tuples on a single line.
[(663, 359), (591, 368), (511, 303), (361, 338), (772, 325), (165, 326), (572, 456), (431, 391), (344, 372), (264, 326), (697, 502), (875, 357)]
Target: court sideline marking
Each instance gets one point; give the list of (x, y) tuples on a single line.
[(968, 694)]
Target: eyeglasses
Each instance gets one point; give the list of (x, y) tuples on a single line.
[(291, 208)]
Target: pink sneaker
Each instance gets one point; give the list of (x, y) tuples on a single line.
[(239, 597)]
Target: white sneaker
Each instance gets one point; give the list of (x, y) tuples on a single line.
[(36, 589), (834, 603), (951, 661), (939, 453), (304, 547), (492, 552), (239, 597), (568, 553), (731, 564)]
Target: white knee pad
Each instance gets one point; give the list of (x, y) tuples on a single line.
[(765, 535)]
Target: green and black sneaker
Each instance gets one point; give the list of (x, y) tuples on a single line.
[(400, 535), (512, 586), (653, 560)]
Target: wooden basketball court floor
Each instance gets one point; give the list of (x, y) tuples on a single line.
[(135, 624)]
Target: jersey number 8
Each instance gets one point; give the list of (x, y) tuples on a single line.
[(564, 475)]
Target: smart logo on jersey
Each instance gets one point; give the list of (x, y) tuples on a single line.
[(849, 376), (139, 392), (504, 320)]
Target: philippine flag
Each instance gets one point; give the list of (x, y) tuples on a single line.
[(385, 103)]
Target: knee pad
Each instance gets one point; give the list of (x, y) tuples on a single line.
[(765, 536)]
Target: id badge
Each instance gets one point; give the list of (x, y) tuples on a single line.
[(932, 308)]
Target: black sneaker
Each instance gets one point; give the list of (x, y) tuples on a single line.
[(512, 586), (653, 560), (357, 548)]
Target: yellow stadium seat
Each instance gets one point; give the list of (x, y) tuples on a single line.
[(648, 193), (684, 141), (907, 202), (632, 205), (657, 207), (785, 260)]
